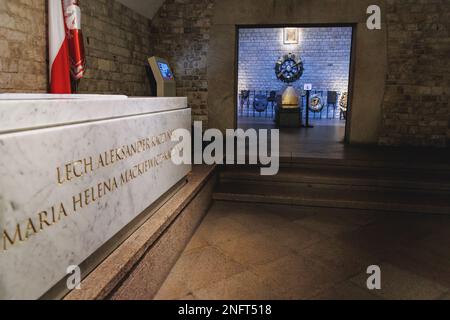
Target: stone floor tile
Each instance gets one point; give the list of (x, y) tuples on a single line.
[(243, 286), (172, 289), (292, 235), (260, 222), (297, 277), (197, 242), (446, 297), (221, 230), (345, 291), (398, 284), (249, 251), (327, 224), (189, 297), (202, 267), (384, 237), (290, 213), (429, 260), (347, 258), (254, 249)]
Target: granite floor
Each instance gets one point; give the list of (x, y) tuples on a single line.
[(253, 252)]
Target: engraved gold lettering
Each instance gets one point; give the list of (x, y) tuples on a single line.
[(100, 190), (69, 171), (43, 220), (114, 184), (12, 240), (61, 180), (30, 229), (123, 179), (77, 169), (77, 202), (100, 162), (119, 154), (77, 173), (108, 186), (112, 155), (133, 148), (88, 165), (87, 197), (62, 210)]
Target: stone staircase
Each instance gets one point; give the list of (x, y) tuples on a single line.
[(366, 185)]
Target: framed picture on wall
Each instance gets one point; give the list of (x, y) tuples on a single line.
[(290, 35)]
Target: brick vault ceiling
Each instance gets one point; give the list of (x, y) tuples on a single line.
[(147, 8)]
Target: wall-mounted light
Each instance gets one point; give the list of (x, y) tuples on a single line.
[(291, 36)]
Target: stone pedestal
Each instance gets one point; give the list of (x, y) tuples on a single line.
[(289, 117)]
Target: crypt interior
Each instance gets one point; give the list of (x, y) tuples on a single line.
[(364, 178)]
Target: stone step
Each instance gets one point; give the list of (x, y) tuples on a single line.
[(317, 197), (349, 178), (411, 163)]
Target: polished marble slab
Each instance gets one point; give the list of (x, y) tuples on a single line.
[(66, 190), (48, 96), (41, 112)]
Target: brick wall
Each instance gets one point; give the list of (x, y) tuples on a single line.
[(325, 53), (416, 109), (23, 49), (117, 45), (180, 33)]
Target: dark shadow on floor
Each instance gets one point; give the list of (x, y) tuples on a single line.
[(252, 252)]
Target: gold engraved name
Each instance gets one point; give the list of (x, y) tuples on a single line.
[(93, 194), (74, 170), (22, 232), (82, 167)]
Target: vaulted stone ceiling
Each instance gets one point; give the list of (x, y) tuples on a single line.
[(147, 8)]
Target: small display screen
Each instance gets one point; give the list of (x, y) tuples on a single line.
[(165, 71)]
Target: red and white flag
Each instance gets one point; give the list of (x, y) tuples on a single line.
[(58, 49), (72, 15)]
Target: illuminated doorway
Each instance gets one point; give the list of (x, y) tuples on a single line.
[(325, 53)]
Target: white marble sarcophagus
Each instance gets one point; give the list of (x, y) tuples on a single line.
[(74, 172)]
